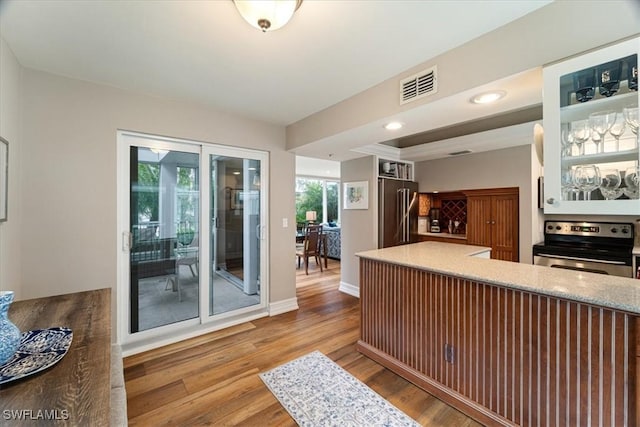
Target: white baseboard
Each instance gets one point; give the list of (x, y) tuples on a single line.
[(283, 306), (350, 289)]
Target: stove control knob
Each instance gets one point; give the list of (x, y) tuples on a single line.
[(549, 227), (625, 231), (615, 230), (558, 227)]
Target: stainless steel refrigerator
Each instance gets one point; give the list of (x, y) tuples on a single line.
[(397, 212)]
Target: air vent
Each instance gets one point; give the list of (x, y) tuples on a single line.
[(419, 85), (458, 153)]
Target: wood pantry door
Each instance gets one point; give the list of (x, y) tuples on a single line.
[(492, 220)]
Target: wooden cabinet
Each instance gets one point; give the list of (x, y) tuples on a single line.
[(492, 220)]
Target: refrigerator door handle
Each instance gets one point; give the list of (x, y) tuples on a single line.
[(400, 207), (402, 214), (407, 222)]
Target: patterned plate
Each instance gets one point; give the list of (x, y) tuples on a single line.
[(39, 349)]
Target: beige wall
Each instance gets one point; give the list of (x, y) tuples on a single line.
[(358, 226), (511, 167), (68, 233), (10, 117), (543, 36)]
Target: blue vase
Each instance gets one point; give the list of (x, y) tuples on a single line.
[(9, 333)]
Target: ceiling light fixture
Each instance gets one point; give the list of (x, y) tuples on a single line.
[(488, 97), (393, 126), (267, 15)]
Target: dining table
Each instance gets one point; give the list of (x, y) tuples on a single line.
[(76, 390)]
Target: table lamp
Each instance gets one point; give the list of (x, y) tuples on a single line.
[(311, 216)]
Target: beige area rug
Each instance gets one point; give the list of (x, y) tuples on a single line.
[(319, 393)]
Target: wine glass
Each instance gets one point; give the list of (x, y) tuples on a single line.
[(609, 77), (600, 123), (583, 84), (632, 179), (632, 75), (567, 142), (631, 117), (581, 133), (617, 129), (568, 185), (610, 183), (587, 179)]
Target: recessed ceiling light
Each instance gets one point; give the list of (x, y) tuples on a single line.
[(236, 173), (393, 126), (488, 97)]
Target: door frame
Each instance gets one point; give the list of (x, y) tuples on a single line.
[(204, 323)]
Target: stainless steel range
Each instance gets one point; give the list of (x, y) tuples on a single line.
[(597, 247)]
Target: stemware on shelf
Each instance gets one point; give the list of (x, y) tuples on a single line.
[(584, 84), (632, 74), (569, 188), (617, 129), (632, 180), (567, 140), (581, 134), (600, 123), (610, 183), (587, 179), (609, 77), (632, 119)]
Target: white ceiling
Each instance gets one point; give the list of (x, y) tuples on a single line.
[(203, 51)]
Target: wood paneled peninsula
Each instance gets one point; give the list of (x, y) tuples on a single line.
[(506, 343)]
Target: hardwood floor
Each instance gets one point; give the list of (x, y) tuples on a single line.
[(213, 379)]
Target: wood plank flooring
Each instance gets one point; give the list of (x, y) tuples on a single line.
[(213, 379)]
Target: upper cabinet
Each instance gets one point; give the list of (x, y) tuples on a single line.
[(591, 154), (395, 169)]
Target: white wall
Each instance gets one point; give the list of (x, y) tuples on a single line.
[(511, 167), (10, 118), (546, 35), (358, 227), (68, 233)]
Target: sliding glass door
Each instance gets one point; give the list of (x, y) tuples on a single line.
[(193, 241), (236, 230)]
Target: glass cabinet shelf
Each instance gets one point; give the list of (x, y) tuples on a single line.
[(590, 117), (598, 158), (575, 112)]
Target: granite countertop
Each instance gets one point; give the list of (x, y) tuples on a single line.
[(457, 260), (445, 235)]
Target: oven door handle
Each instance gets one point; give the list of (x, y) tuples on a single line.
[(602, 261)]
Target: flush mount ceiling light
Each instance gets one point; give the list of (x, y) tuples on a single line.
[(393, 126), (267, 15), (488, 97)]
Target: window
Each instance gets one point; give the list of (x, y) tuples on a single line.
[(319, 195)]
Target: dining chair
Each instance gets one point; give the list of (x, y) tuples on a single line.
[(310, 247)]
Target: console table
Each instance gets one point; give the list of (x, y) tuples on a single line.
[(75, 391)]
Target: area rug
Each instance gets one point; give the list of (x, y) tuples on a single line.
[(317, 392)]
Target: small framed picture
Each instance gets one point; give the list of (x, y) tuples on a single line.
[(356, 195), (4, 178)]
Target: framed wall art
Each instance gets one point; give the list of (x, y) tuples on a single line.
[(356, 195)]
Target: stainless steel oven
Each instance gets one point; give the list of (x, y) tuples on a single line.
[(597, 247)]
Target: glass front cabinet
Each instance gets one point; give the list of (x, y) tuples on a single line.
[(591, 154)]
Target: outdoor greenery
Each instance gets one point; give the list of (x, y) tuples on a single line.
[(309, 198), (148, 193)]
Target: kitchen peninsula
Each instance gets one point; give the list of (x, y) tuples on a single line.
[(504, 342)]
